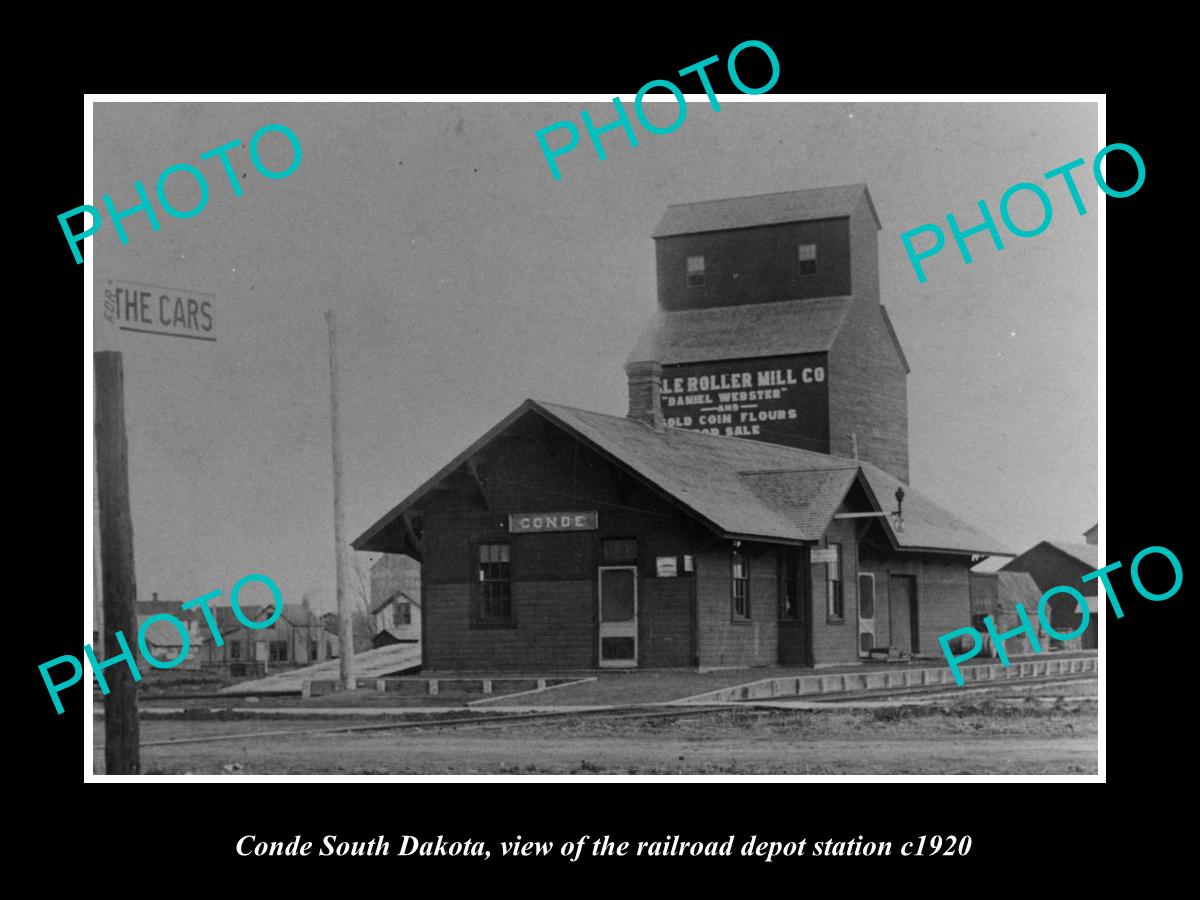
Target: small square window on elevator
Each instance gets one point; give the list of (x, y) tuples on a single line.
[(808, 259)]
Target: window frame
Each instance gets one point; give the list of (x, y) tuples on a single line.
[(801, 260), (282, 647), (235, 649), (402, 610), (835, 599), (701, 273), (478, 620), (734, 581)]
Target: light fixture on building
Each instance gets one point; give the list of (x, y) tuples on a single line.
[(898, 513)]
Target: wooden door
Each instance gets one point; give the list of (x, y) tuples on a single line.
[(794, 608), (902, 605), (618, 616)]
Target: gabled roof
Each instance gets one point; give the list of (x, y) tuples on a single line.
[(805, 498), (164, 634), (390, 599), (1018, 587), (1089, 554), (737, 487), (293, 614), (763, 209), (742, 332), (173, 607), (996, 593), (926, 525)]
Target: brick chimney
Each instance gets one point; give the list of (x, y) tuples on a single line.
[(645, 392)]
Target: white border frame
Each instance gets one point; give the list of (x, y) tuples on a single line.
[(89, 195)]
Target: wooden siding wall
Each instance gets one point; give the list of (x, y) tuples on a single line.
[(943, 593), (754, 265), (868, 387), (837, 642), (553, 574), (296, 636), (724, 642)]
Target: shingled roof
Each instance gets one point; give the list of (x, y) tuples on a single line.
[(763, 209), (738, 332), (293, 613), (738, 487), (1088, 554)]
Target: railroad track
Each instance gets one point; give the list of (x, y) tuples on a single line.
[(630, 712), (943, 690), (618, 712)]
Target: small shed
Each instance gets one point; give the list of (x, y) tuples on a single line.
[(1054, 563), (996, 594)]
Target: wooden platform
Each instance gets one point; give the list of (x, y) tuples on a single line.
[(380, 663)]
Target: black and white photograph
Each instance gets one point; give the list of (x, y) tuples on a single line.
[(698, 434)]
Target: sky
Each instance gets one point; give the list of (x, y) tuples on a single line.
[(465, 279)]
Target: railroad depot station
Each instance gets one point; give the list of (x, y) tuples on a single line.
[(752, 509)]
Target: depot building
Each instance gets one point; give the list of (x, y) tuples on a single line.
[(741, 513)]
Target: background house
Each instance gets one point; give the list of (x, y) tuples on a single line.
[(297, 638), (396, 600), (1054, 563), (163, 638)]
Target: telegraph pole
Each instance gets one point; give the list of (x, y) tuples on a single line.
[(345, 617), (118, 582)]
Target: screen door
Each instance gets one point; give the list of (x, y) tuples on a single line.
[(866, 613), (618, 616)]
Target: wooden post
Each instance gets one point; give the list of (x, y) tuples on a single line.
[(116, 564), (345, 618)]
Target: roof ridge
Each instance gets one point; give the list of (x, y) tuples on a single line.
[(796, 471), (769, 304), (828, 187)]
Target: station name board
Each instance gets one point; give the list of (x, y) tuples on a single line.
[(521, 523)]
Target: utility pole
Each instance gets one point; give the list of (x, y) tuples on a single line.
[(345, 615), (116, 563)]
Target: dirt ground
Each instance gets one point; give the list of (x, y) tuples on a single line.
[(967, 736)]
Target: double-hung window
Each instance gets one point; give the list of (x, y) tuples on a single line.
[(837, 599), (740, 584), (494, 602)]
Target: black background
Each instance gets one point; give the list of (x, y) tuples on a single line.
[(1025, 835)]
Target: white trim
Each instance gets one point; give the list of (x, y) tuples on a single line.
[(615, 629), (858, 610)]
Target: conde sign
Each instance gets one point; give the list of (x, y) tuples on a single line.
[(126, 655), (998, 638), (989, 222), (622, 120), (160, 189)]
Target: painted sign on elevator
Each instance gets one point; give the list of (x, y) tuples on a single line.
[(783, 399)]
